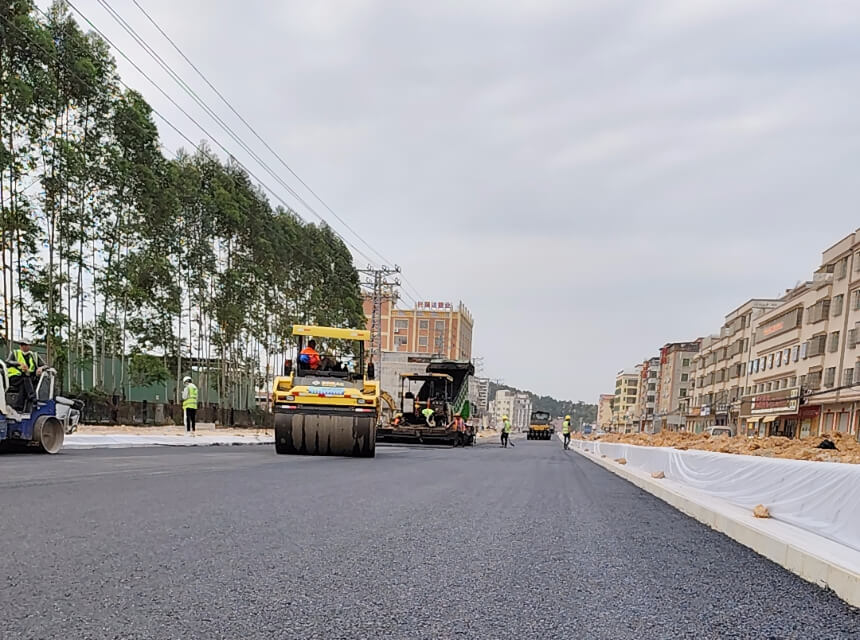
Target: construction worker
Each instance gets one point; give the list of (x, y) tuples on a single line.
[(428, 412), (189, 404), (507, 427), (22, 366), (459, 427), (565, 430), (309, 356)]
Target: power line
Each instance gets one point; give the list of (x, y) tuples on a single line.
[(254, 131), (200, 102)]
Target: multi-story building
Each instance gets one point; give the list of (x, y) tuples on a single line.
[(604, 411), (430, 328), (626, 394), (673, 385), (804, 364), (503, 405), (479, 394), (522, 411), (647, 397), (719, 370)]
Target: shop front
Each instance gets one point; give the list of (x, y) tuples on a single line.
[(808, 417), (772, 414)]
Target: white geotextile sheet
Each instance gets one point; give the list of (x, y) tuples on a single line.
[(820, 497)]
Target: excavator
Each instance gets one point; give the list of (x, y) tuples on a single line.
[(327, 406)]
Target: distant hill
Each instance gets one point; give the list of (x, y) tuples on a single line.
[(557, 408)]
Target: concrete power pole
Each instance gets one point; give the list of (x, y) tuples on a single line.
[(382, 288)]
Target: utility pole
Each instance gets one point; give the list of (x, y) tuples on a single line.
[(382, 285)]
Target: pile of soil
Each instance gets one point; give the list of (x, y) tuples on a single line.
[(847, 447)]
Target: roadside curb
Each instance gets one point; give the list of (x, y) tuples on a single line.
[(762, 536)]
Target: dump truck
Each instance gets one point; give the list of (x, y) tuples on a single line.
[(540, 426), (444, 388), (326, 405), (41, 425)]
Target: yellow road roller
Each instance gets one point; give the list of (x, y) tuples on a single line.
[(324, 404)]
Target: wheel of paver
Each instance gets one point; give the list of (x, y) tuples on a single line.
[(48, 432), (315, 434)]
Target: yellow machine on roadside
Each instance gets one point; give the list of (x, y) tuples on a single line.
[(327, 406), (540, 426)]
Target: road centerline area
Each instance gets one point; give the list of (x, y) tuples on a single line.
[(482, 542)]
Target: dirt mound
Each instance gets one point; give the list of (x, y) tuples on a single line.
[(847, 447)]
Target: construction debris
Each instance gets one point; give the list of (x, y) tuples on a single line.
[(761, 511), (658, 475), (846, 448)]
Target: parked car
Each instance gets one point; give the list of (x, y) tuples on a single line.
[(724, 430)]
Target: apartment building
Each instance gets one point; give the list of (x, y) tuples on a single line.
[(431, 328), (719, 372), (604, 411), (804, 363), (626, 395), (674, 383), (517, 406), (479, 394), (646, 404)]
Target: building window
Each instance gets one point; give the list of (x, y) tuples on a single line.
[(786, 356), (440, 325), (685, 362), (401, 325), (424, 324), (779, 358), (684, 377), (400, 342), (804, 349), (830, 377), (834, 341), (856, 295), (838, 302), (792, 381), (842, 268), (848, 376), (683, 393), (422, 341), (796, 353), (770, 361)]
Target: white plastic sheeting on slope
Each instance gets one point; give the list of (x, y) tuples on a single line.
[(820, 497)]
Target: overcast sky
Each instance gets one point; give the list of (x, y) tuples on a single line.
[(591, 178)]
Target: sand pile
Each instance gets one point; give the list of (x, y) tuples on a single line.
[(847, 447)]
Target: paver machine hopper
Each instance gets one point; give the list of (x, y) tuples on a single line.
[(326, 405)]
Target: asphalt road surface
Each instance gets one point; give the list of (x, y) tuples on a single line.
[(490, 543)]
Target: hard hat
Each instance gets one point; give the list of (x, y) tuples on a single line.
[(186, 379), (567, 417), (504, 417), (23, 340)]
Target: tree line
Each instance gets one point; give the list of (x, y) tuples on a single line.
[(111, 252)]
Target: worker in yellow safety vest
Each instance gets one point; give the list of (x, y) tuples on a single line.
[(507, 427), (427, 412), (565, 430), (22, 367), (189, 404)]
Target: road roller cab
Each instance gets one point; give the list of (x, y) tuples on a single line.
[(325, 405)]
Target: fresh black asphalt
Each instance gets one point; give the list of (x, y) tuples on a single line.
[(490, 543)]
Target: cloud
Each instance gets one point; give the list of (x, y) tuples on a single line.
[(592, 179)]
